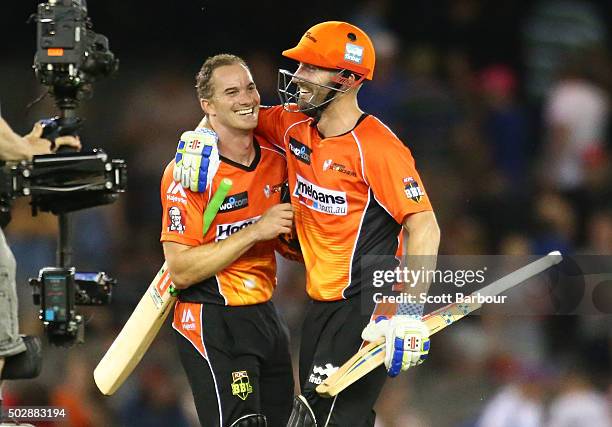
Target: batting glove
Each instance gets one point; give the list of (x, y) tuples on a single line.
[(406, 341), (197, 159)]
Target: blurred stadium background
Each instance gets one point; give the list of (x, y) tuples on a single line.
[(506, 107)]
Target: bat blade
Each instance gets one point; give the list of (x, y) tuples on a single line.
[(373, 355), (146, 320), (136, 336)]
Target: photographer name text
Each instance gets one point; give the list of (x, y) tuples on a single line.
[(450, 298)]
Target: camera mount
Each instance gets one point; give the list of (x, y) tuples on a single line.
[(69, 58)]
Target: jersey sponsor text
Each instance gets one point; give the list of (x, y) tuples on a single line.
[(319, 198), (234, 202), (226, 230), (299, 150)]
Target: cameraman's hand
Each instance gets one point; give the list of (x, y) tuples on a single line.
[(37, 145), (67, 141), (275, 221)]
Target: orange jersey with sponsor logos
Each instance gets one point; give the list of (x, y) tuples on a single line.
[(250, 279), (350, 195)]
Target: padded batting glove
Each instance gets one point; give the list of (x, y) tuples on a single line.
[(197, 159), (406, 341)]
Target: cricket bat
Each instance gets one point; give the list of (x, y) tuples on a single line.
[(147, 318), (373, 355)]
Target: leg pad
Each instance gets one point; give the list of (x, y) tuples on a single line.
[(302, 414)]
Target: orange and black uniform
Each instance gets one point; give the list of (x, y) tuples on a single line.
[(232, 343), (350, 193)]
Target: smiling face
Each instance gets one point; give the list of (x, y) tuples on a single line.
[(235, 101), (310, 81)]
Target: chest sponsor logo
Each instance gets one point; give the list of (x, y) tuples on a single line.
[(330, 165), (235, 202), (272, 189), (226, 230), (321, 373), (299, 150), (412, 189), (176, 193), (319, 198), (176, 219)]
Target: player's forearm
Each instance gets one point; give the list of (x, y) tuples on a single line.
[(192, 265), (422, 246)]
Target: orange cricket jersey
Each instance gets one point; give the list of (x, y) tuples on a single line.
[(250, 279), (350, 195)]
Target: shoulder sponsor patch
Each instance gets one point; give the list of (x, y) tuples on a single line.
[(320, 199), (353, 53), (176, 193), (412, 189), (299, 150), (176, 219), (235, 202)]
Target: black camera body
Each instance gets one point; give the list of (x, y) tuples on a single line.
[(70, 56), (67, 182), (58, 290)]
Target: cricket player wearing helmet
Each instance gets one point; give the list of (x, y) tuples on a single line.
[(354, 186), (348, 176)]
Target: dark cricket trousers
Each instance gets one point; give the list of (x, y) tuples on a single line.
[(330, 336), (237, 361)]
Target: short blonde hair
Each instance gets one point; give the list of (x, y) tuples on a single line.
[(204, 76)]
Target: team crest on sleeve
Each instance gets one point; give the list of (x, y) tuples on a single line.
[(177, 221), (241, 386), (412, 189)]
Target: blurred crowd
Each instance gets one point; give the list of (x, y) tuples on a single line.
[(513, 141)]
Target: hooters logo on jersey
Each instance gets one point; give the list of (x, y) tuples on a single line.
[(226, 230), (412, 189), (299, 150), (319, 198)]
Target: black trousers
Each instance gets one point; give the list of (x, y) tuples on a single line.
[(237, 362), (330, 336)]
